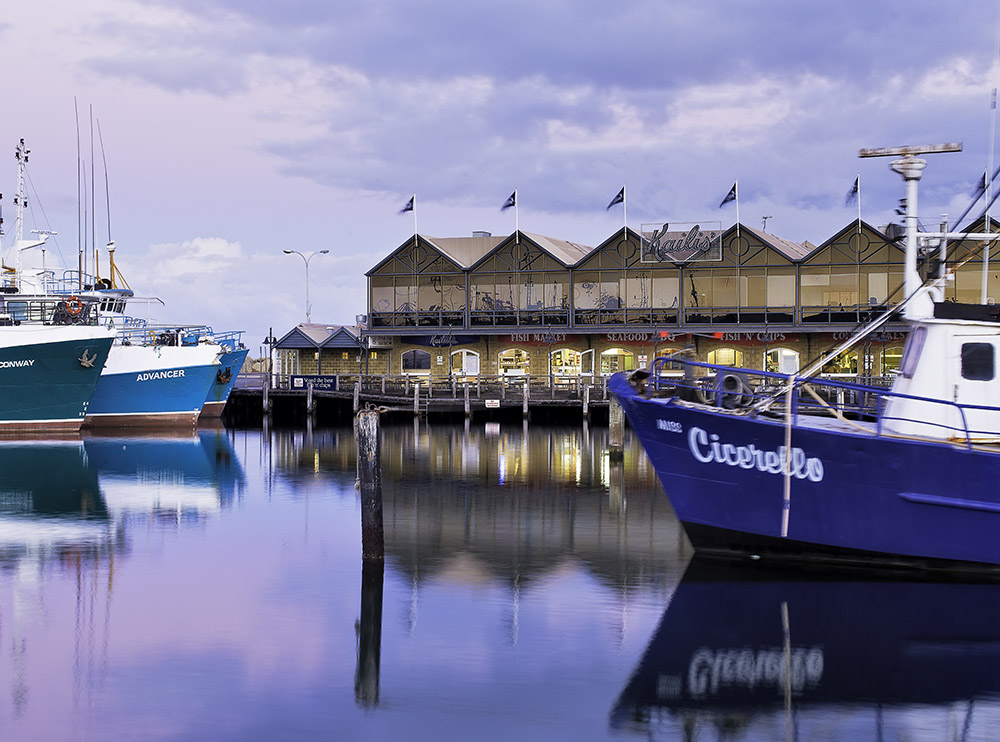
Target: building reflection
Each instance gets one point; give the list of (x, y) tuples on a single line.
[(508, 502)]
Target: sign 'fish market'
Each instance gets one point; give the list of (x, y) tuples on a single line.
[(681, 242)]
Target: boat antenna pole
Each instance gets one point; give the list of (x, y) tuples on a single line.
[(107, 199), (21, 155), (914, 291)]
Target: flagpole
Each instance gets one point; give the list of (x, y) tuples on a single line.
[(517, 228), (625, 210), (736, 186), (859, 203)]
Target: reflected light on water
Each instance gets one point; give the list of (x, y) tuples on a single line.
[(212, 587)]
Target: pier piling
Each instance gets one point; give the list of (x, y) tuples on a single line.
[(366, 675), (369, 441), (616, 430)]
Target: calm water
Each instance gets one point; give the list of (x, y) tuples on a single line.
[(211, 588)]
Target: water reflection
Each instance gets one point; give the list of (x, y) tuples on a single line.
[(746, 654), (166, 478), (68, 506)]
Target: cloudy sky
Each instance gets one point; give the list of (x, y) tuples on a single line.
[(234, 129)]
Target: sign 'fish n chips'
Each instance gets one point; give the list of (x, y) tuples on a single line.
[(681, 242)]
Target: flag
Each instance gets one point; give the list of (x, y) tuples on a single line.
[(409, 205), (619, 199), (983, 183), (853, 193), (731, 196), (510, 202)]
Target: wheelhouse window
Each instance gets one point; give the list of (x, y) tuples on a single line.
[(978, 362), (911, 351)]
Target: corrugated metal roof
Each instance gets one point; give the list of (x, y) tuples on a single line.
[(791, 250), (569, 253), (465, 251)]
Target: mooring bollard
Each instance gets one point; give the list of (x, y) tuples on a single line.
[(616, 430), (369, 442)]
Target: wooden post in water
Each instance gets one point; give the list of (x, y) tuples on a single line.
[(366, 675), (266, 395), (524, 403), (616, 430), (416, 399), (367, 672), (586, 402), (369, 441), (309, 397), (357, 396), (468, 407)]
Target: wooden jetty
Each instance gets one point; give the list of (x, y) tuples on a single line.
[(341, 396)]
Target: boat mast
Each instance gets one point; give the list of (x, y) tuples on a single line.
[(919, 300)]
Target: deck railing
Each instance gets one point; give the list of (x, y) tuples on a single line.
[(539, 387)]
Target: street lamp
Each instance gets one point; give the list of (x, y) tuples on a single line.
[(306, 261)]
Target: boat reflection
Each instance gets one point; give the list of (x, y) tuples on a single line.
[(67, 498), (169, 478), (50, 501), (747, 654)]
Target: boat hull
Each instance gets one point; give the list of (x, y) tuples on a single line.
[(231, 363), (153, 386), (44, 384), (852, 497)]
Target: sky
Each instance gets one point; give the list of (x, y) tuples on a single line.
[(228, 131)]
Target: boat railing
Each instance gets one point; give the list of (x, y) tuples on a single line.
[(149, 334), (866, 407)]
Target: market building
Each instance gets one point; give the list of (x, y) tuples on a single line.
[(530, 305)]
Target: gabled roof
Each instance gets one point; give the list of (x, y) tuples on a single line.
[(463, 251), (569, 253), (566, 252), (466, 251), (791, 250), (625, 233), (849, 227), (314, 336)]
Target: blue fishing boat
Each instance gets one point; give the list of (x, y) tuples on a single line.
[(231, 361), (162, 383), (797, 467)]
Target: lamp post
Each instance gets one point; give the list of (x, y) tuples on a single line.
[(306, 260), (270, 341)]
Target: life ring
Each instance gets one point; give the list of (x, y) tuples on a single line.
[(74, 306)]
